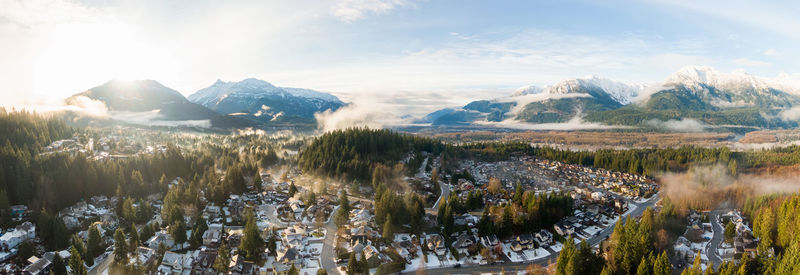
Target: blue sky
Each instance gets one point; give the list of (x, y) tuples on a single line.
[(403, 52)]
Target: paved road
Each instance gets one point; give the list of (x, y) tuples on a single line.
[(329, 244), (102, 266), (442, 199), (716, 240), (508, 267)]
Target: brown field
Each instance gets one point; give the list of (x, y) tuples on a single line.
[(592, 140)]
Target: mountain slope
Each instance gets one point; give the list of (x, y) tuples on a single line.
[(557, 103), (146, 95), (712, 97), (141, 99), (701, 93), (260, 100)]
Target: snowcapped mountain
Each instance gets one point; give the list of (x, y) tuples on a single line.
[(736, 89), (620, 92), (148, 102), (260, 99), (696, 92)]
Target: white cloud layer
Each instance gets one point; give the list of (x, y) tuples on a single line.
[(354, 10)]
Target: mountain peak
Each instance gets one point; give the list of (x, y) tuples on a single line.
[(697, 76), (252, 95), (620, 92)]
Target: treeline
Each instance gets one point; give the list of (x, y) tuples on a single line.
[(54, 181), (351, 154)]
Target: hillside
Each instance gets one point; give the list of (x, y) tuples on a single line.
[(735, 101), (139, 98), (261, 101)]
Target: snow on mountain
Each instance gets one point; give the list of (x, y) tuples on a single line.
[(698, 76), (253, 87), (258, 97), (620, 92)]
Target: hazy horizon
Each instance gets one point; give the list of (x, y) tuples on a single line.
[(432, 51)]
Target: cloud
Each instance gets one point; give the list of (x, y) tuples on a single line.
[(705, 187), (790, 114), (80, 105), (366, 112), (682, 125), (153, 118), (771, 52), (354, 10), (750, 62), (575, 123), (523, 100), (776, 18)]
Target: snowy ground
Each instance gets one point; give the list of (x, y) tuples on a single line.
[(557, 247), (527, 254), (592, 230)]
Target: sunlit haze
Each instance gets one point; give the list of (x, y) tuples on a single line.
[(431, 49)]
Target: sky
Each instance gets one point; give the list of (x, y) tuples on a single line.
[(408, 54)]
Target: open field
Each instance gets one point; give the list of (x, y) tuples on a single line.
[(592, 140)]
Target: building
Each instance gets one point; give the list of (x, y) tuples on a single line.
[(21, 233), (38, 267), (544, 237), (211, 237)]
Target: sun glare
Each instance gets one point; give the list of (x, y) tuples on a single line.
[(82, 53)]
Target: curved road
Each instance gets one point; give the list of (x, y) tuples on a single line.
[(596, 239), (719, 236)]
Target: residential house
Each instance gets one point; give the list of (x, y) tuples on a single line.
[(436, 244), (21, 233), (544, 237), (38, 267)]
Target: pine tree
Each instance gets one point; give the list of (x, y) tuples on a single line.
[(644, 267), (178, 232), (252, 244), (566, 255), (58, 265), (292, 189), (222, 263), (388, 233), (95, 242), (352, 265), (134, 239), (120, 248), (76, 262)]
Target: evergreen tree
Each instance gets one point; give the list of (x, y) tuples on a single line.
[(292, 189), (293, 271), (644, 268), (343, 213), (662, 265), (133, 239), (257, 182), (76, 262), (178, 232), (120, 248), (252, 244), (353, 267), (58, 265), (95, 242), (77, 242), (222, 263), (388, 233)]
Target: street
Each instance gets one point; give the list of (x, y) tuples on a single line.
[(719, 236), (328, 247)]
